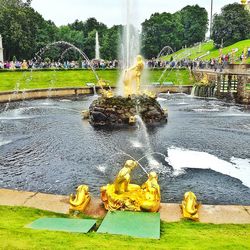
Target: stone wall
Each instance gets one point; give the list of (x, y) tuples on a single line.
[(67, 92)]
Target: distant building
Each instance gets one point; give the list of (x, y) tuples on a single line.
[(246, 3), (1, 49)]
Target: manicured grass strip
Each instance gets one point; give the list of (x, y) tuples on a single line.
[(183, 235), (10, 81)]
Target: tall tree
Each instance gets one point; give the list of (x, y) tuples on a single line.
[(232, 25), (24, 30), (184, 27), (111, 42), (195, 23), (159, 31)]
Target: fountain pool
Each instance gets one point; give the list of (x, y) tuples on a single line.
[(46, 146)]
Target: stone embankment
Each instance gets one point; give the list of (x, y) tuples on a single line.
[(216, 214)]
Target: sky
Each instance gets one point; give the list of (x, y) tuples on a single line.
[(111, 12)]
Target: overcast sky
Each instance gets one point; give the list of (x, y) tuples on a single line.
[(113, 12)]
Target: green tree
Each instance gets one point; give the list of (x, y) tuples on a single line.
[(24, 30), (195, 23), (232, 25), (159, 31), (111, 42), (89, 29)]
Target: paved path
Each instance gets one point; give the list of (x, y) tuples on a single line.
[(216, 214)]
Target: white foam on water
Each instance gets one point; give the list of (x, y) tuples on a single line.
[(65, 100), (180, 159), (4, 143), (160, 99), (101, 168), (242, 114), (136, 144), (182, 103), (153, 163), (16, 118), (206, 110)]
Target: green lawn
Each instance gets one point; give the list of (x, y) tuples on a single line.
[(78, 78), (199, 50), (183, 235)]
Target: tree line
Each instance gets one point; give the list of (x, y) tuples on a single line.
[(25, 31)]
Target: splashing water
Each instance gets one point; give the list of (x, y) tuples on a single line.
[(131, 43), (144, 133), (181, 159), (40, 52)]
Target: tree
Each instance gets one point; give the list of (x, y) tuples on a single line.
[(184, 27), (232, 25), (195, 23), (159, 31), (89, 29), (111, 42), (24, 30)]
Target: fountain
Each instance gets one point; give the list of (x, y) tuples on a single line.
[(97, 47), (70, 46), (48, 148), (130, 99)]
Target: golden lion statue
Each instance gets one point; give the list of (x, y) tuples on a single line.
[(79, 201), (190, 206)]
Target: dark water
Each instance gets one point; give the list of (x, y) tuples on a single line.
[(45, 146)]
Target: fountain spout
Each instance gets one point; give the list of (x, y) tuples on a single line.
[(97, 46)]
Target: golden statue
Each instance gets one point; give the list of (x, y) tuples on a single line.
[(79, 201), (122, 195), (105, 93), (204, 80), (152, 193), (190, 206), (150, 94), (132, 120), (133, 76), (123, 178)]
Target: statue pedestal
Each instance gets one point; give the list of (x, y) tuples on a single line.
[(120, 110)]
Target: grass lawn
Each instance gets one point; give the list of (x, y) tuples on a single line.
[(199, 50), (182, 235), (78, 78)]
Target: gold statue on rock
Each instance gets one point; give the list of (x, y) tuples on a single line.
[(122, 195), (80, 201), (132, 77), (190, 206)]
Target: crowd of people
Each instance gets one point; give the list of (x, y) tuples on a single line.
[(39, 64), (214, 64)]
